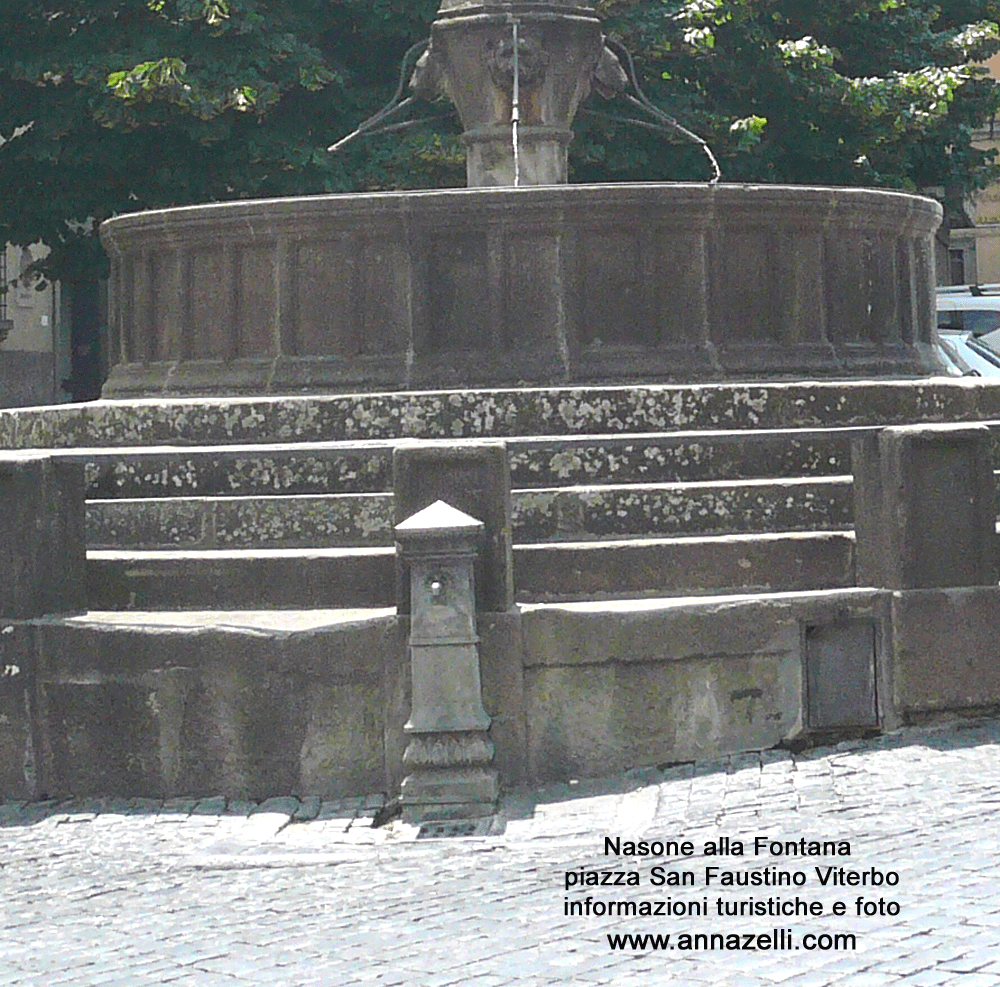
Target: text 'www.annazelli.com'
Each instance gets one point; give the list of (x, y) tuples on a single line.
[(776, 939)]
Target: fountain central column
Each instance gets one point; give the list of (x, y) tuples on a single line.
[(516, 73)]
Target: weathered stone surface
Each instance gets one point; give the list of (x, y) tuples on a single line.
[(102, 737), (442, 750), (610, 686), (656, 684), (365, 577), (260, 705), (482, 286), (154, 523), (473, 477), (606, 511), (156, 709), (42, 547), (688, 457), (682, 509), (626, 632), (470, 413), (501, 663), (261, 470), (440, 544), (366, 467), (214, 703), (944, 650), (19, 740), (840, 663), (473, 56), (926, 506), (448, 751), (26, 378), (247, 578), (301, 521), (681, 566), (449, 793), (342, 750), (588, 720)]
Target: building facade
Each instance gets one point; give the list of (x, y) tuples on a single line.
[(973, 255), (34, 341), (53, 345)]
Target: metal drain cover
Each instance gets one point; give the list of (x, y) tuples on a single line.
[(451, 828)]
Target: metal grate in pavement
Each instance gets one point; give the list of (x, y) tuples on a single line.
[(451, 828)]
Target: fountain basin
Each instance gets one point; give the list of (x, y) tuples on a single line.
[(536, 285)]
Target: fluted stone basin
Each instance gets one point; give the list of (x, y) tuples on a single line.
[(536, 285)]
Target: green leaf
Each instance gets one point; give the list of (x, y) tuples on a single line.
[(749, 130)]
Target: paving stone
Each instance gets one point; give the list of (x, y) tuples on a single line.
[(308, 809), (239, 807), (248, 899), (210, 807), (339, 808)]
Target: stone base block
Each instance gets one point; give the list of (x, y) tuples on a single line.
[(473, 477), (449, 793), (42, 549), (924, 507), (945, 650), (444, 750), (19, 741)]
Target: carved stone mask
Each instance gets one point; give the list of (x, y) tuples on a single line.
[(532, 60)]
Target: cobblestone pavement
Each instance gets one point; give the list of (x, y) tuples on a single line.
[(290, 892)]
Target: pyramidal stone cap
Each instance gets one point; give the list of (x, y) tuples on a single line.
[(439, 518)]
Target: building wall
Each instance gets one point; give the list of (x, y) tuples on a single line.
[(974, 252), (31, 317)]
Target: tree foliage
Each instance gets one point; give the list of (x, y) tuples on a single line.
[(841, 92), (109, 106)]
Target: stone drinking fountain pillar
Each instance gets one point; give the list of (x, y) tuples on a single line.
[(516, 73), (449, 754)]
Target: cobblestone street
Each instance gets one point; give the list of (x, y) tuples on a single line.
[(301, 892)]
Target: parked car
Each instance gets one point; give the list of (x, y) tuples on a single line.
[(968, 319)]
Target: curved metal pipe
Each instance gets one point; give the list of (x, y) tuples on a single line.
[(393, 106), (644, 103)]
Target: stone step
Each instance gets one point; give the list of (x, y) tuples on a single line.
[(366, 467), (511, 412), (562, 514), (206, 471), (680, 457), (784, 562), (247, 579), (678, 509), (294, 521), (317, 578)]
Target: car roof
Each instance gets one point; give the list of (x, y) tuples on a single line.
[(968, 289), (968, 303)]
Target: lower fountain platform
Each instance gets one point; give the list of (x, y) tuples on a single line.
[(506, 287), (687, 568)]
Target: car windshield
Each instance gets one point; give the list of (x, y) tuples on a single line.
[(977, 321)]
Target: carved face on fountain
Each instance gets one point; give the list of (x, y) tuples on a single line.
[(532, 62)]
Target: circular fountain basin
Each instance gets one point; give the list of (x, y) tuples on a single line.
[(555, 284)]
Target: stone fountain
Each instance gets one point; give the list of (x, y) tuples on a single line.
[(709, 523), (541, 283)]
